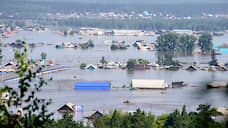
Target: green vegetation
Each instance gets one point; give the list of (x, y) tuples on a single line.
[(166, 59), (176, 119), (35, 113), (121, 47), (142, 61), (167, 42), (131, 64), (66, 122), (82, 66), (103, 61), (38, 8), (114, 47), (186, 43), (197, 24), (173, 42), (205, 42), (43, 55), (88, 44)]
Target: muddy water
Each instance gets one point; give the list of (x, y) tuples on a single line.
[(61, 89)]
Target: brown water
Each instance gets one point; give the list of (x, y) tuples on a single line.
[(61, 89)]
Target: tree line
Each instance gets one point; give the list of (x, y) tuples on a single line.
[(25, 8), (172, 42), (202, 118), (197, 24)]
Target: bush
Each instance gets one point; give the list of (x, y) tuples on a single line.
[(82, 66)]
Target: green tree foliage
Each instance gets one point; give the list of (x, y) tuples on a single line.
[(114, 47), (157, 24), (43, 55), (166, 59), (35, 112), (201, 119), (176, 119), (88, 44), (186, 43), (173, 42), (131, 64), (66, 122), (142, 61), (205, 42), (82, 66), (103, 61), (167, 42)]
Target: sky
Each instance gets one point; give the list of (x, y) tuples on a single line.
[(143, 1)]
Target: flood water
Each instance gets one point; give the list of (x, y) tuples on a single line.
[(61, 89)]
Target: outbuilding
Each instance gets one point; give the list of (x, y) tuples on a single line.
[(69, 107), (93, 115), (149, 84), (92, 85)]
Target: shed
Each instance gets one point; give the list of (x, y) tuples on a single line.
[(178, 84), (149, 84), (191, 68), (90, 85), (69, 107), (90, 67), (224, 111), (217, 84), (139, 67), (93, 115)]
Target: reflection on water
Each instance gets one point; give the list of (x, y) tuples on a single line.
[(61, 89)]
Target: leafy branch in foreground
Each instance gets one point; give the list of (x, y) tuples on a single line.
[(34, 110)]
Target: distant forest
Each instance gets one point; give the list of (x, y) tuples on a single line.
[(26, 9), (155, 24), (37, 10)]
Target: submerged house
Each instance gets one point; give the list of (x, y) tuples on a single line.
[(69, 107), (91, 85), (178, 84), (218, 84), (141, 67), (192, 68), (91, 67), (93, 115), (149, 84)]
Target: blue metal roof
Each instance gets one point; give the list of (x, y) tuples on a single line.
[(223, 50), (87, 85)]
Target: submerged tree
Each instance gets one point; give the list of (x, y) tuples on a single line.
[(1, 52), (205, 42), (167, 42), (186, 43), (103, 61), (166, 59), (131, 64), (213, 61), (43, 55)]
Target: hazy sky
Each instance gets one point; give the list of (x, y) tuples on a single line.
[(145, 1)]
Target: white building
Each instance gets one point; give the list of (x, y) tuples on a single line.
[(183, 32), (149, 84)]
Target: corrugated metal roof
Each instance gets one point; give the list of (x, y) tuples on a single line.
[(87, 85), (149, 84)]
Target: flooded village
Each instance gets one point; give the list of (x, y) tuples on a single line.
[(101, 64), (90, 58)]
